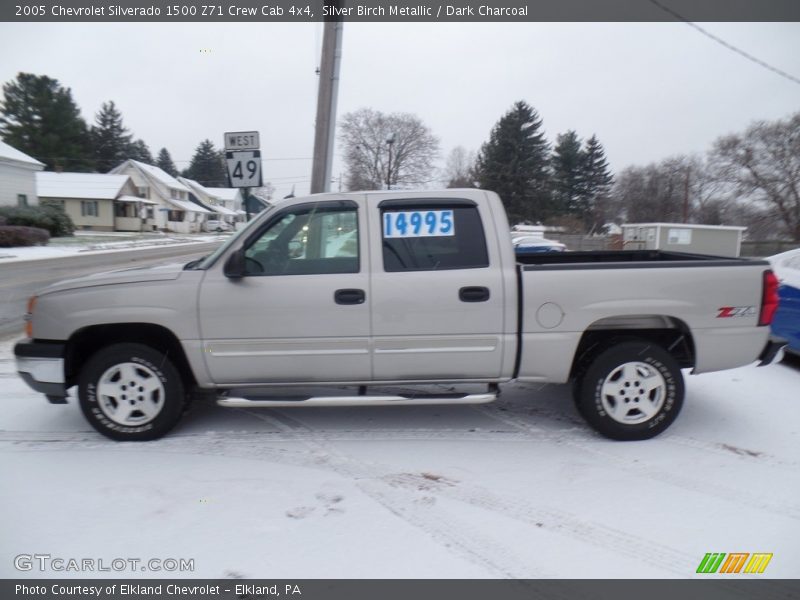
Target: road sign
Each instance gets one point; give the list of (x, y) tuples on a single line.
[(241, 140), (244, 168)]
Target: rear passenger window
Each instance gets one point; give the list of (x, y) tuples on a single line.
[(433, 238)]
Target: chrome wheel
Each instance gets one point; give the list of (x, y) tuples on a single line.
[(633, 393), (130, 393)]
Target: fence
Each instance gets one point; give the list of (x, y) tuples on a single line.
[(767, 248), (577, 242)]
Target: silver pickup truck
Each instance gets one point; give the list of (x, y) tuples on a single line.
[(361, 291)]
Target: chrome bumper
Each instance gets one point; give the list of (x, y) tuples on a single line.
[(41, 366)]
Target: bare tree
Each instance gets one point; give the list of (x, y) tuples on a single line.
[(648, 194), (380, 150), (459, 171), (764, 166), (679, 188)]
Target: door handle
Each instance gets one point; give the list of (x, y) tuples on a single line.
[(349, 296), (474, 294)]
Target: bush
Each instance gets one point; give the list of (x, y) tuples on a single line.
[(51, 217), (12, 236)]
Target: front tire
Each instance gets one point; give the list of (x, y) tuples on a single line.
[(631, 391), (131, 392)]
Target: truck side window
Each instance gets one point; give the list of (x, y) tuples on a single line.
[(430, 239), (307, 241)]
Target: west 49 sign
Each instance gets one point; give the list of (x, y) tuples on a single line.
[(244, 168)]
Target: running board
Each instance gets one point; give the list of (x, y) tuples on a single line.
[(359, 401)]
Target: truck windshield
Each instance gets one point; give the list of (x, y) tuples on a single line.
[(209, 260)]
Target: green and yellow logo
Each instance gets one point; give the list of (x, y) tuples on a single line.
[(736, 562)]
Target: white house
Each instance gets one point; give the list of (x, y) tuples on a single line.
[(231, 199), (17, 177), (211, 198), (172, 211), (94, 201)]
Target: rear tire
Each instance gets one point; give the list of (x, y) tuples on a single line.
[(631, 391), (131, 392)]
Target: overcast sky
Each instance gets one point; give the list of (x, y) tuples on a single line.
[(647, 90)]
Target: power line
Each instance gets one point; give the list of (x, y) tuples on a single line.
[(727, 45)]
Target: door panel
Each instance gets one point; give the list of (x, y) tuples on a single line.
[(438, 307), (283, 323)]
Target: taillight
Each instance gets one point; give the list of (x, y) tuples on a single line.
[(769, 298), (29, 317)]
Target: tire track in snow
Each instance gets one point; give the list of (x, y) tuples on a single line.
[(571, 437), (410, 506), (668, 437), (559, 521)]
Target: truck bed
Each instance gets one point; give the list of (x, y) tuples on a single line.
[(630, 258)]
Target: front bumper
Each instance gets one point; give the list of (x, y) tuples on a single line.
[(773, 351), (41, 366)]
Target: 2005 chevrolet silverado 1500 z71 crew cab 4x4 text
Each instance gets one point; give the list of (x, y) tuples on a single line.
[(384, 288)]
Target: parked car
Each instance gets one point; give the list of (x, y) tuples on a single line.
[(787, 319), (217, 225), (532, 244)]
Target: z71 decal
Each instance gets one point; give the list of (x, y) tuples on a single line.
[(736, 311)]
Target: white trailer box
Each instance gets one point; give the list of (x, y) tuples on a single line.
[(718, 240)]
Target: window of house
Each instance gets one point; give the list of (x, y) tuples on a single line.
[(143, 191), (175, 215), (89, 208), (22, 200), (433, 236), (308, 239)]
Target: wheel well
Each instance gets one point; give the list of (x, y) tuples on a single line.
[(86, 342), (673, 335)]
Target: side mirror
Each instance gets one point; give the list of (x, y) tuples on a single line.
[(234, 266)]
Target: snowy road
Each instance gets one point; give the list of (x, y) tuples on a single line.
[(519, 488)]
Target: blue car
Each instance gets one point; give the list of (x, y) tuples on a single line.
[(786, 323), (534, 244)]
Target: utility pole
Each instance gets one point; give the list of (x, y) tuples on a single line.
[(686, 196), (389, 142), (326, 102)]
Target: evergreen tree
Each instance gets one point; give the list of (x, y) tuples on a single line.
[(164, 162), (110, 138), (207, 166), (568, 163), (40, 118), (514, 163), (138, 150), (595, 186)]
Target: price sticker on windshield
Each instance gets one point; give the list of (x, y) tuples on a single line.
[(418, 223)]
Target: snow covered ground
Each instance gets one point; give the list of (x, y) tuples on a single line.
[(515, 489), (100, 242)]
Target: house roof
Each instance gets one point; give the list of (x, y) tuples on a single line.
[(135, 199), (187, 206), (194, 186), (159, 175), (224, 193), (221, 210), (218, 193), (95, 186), (10, 153)]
